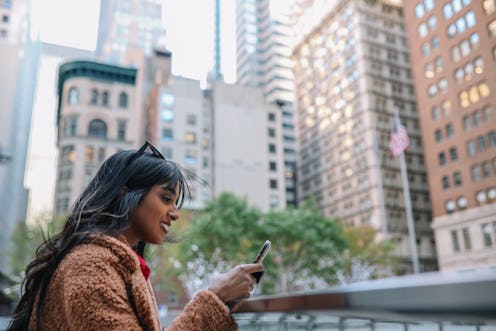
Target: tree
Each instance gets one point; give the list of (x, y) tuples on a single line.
[(366, 257), (306, 246)]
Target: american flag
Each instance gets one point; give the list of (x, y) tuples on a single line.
[(399, 137)]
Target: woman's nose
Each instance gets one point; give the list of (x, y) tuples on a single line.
[(174, 214)]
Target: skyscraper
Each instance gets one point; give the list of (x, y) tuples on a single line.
[(453, 50), (263, 44), (352, 73), (19, 57), (128, 24)]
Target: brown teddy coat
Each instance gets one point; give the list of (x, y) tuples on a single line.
[(100, 286)]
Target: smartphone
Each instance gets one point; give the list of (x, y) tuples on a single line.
[(259, 259)]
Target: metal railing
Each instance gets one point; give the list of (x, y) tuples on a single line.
[(431, 301)]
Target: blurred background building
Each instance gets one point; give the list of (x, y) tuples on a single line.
[(19, 56), (453, 48), (263, 60), (352, 72)]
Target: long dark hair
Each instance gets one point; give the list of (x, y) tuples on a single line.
[(103, 208)]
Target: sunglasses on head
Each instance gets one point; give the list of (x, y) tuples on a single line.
[(154, 151)]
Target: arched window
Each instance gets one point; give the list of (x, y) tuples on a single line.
[(73, 96), (123, 100), (97, 128), (94, 97), (105, 98)]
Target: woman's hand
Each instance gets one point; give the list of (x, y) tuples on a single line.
[(235, 284)]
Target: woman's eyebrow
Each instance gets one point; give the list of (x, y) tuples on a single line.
[(168, 189)]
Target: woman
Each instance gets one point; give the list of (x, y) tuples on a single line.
[(92, 275)]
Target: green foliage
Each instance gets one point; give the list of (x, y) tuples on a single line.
[(366, 257), (26, 239), (306, 246)]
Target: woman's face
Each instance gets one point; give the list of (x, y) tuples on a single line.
[(150, 221)]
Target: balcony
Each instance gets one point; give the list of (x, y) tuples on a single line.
[(432, 301)]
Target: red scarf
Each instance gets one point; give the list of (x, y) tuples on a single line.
[(144, 268)]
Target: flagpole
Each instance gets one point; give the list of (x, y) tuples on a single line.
[(384, 227), (408, 207)]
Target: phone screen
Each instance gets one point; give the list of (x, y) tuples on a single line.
[(263, 252), (259, 259)]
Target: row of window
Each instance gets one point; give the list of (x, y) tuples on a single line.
[(481, 197), (462, 24), (481, 143), (440, 87), (473, 94), (453, 154), (457, 180), (438, 134), (477, 118), (465, 47), (168, 135), (96, 128), (444, 110), (488, 237), (97, 98), (427, 47), (453, 7), (483, 170), (467, 71)]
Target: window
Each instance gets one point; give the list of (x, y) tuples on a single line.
[(486, 234), (68, 154), (488, 6), (167, 134), (449, 130), (491, 136), (476, 173), (445, 182), (89, 153), (453, 154), (435, 113), (419, 10), (121, 130), (461, 202), (167, 99), (272, 148), (272, 132), (101, 154), (492, 29), (272, 166), (457, 179), (454, 241), (94, 97), (97, 128), (486, 169), (191, 137), (481, 143), (439, 135), (450, 206), (105, 98), (191, 119), (167, 115), (272, 117), (471, 147), (73, 96), (466, 122), (448, 11), (466, 239), (442, 158), (123, 100), (273, 183)]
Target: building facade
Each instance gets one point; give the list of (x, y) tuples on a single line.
[(453, 48), (19, 56), (227, 135), (352, 73), (130, 24), (96, 117), (263, 48)]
